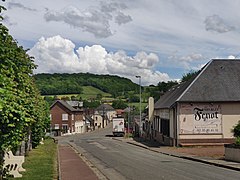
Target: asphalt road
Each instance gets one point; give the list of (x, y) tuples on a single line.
[(119, 160)]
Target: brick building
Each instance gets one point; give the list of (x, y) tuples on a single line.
[(67, 117)]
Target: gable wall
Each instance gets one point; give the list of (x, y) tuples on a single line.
[(56, 116)]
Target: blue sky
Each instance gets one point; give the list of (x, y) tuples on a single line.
[(158, 39)]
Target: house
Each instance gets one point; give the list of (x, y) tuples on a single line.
[(67, 117), (89, 122), (103, 115), (202, 110)]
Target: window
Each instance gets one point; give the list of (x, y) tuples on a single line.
[(64, 117), (50, 116), (72, 117), (56, 126)]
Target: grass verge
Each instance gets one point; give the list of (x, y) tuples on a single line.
[(41, 162)]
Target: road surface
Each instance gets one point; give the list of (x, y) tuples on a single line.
[(119, 160)]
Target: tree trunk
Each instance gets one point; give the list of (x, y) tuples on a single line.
[(28, 145)]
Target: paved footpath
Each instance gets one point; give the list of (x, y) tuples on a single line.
[(208, 155), (72, 167)]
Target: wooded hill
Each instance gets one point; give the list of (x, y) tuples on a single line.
[(55, 84)]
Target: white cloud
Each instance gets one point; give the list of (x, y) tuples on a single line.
[(57, 55), (188, 61), (217, 24), (95, 20), (192, 57), (136, 26)]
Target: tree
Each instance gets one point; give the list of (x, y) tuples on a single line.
[(165, 86), (99, 96), (236, 133), (119, 104), (189, 75), (22, 109), (91, 104)]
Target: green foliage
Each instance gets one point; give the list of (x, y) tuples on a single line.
[(165, 86), (119, 104), (236, 130), (91, 104), (51, 84), (132, 97), (49, 100), (22, 109), (161, 88), (189, 75), (237, 142)]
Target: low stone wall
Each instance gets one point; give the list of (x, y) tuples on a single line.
[(232, 153)]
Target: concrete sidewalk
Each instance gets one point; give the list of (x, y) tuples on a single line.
[(209, 155), (72, 166)]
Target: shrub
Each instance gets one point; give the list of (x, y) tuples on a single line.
[(237, 142), (236, 130)]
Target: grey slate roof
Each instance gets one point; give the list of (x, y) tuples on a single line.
[(170, 97), (75, 103), (105, 107), (218, 81), (89, 119), (66, 105)]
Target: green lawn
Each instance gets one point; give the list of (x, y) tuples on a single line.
[(91, 92), (94, 91), (137, 105), (41, 162)]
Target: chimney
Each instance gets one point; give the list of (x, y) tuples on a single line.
[(150, 108)]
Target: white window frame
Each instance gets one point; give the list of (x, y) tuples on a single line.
[(56, 126), (64, 117)]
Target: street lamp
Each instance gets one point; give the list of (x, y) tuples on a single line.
[(140, 104)]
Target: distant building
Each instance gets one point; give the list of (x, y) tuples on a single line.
[(67, 117), (202, 110), (103, 115)]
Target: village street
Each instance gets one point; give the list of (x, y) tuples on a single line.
[(120, 160)]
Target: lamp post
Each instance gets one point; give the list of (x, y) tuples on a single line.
[(140, 108)]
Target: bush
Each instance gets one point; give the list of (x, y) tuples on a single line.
[(236, 130), (237, 142)]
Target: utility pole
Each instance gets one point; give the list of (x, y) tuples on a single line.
[(129, 113)]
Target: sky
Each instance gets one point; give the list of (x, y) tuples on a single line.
[(159, 40)]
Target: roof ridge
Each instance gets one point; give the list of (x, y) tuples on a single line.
[(194, 80)]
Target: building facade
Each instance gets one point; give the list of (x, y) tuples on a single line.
[(66, 118), (203, 110)]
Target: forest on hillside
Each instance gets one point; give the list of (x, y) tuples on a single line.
[(61, 84), (54, 84)]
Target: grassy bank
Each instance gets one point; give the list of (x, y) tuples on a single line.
[(41, 162)]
